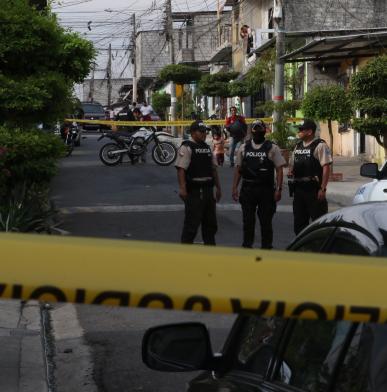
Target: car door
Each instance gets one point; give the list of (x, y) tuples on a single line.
[(310, 356), (247, 357), (364, 367)]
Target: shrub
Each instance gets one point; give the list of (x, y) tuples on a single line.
[(368, 91), (160, 102), (27, 157)]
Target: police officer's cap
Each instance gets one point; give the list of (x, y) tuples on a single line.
[(258, 126), (198, 126), (307, 124)]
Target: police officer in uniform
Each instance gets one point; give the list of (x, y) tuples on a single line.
[(309, 167), (125, 114), (197, 176), (260, 166)]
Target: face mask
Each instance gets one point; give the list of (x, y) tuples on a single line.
[(258, 137)]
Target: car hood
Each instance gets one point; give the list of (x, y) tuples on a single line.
[(371, 191)]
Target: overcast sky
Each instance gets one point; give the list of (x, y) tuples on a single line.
[(109, 21)]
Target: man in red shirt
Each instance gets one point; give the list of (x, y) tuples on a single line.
[(236, 125)]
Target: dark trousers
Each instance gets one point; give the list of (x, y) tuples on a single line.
[(200, 209), (306, 206), (257, 199)]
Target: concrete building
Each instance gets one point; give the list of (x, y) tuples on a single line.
[(97, 90), (306, 21)]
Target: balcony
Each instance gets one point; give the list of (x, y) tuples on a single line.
[(221, 45)]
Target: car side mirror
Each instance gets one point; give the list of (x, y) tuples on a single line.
[(177, 347), (369, 170)]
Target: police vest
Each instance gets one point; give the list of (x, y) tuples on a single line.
[(305, 163), (201, 165), (256, 165)]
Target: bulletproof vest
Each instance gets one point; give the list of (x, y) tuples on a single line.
[(125, 115), (201, 161), (256, 165), (305, 164)]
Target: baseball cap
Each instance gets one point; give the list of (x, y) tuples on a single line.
[(307, 124), (258, 126), (198, 126)]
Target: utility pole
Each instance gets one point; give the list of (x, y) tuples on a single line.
[(134, 62), (170, 39), (279, 82), (109, 76), (91, 91)]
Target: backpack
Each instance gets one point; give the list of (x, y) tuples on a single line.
[(238, 129)]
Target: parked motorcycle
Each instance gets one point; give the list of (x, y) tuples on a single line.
[(70, 135), (135, 145)]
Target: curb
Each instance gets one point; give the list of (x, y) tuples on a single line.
[(22, 356)]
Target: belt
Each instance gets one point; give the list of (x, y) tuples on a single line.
[(200, 183), (255, 182), (306, 180)]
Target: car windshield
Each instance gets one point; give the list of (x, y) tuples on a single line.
[(90, 108)]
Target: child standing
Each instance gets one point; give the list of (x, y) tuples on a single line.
[(218, 143)]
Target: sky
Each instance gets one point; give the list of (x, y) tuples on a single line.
[(109, 22)]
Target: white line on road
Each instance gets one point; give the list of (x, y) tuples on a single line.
[(109, 209), (152, 208), (73, 359)]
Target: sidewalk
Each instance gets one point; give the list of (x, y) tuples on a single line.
[(343, 192), (22, 363)]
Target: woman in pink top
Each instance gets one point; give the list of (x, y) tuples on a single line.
[(218, 143)]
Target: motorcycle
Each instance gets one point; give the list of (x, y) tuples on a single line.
[(135, 145), (69, 134)]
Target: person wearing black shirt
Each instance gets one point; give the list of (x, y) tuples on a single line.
[(197, 176), (260, 166), (309, 168)]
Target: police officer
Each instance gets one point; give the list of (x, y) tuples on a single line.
[(260, 166), (125, 114), (309, 167), (197, 176)]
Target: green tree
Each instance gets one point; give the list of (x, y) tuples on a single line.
[(217, 85), (262, 72), (327, 103), (39, 64), (180, 74), (160, 102), (368, 90)]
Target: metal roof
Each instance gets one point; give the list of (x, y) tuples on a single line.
[(340, 47)]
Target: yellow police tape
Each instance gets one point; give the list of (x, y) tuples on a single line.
[(184, 123), (141, 274)]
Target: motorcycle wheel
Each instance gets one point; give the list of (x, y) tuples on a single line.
[(69, 148), (107, 158), (164, 153)]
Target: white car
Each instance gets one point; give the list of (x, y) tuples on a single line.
[(375, 190)]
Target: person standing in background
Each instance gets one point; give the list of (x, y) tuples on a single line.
[(218, 145), (236, 126)]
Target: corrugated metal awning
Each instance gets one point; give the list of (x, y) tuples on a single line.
[(340, 47)]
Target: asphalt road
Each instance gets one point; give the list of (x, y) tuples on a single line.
[(130, 202), (140, 202)]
